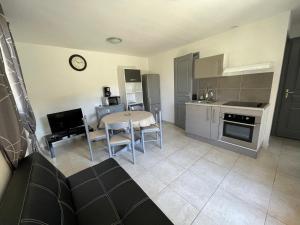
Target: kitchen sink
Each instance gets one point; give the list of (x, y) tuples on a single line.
[(204, 101)]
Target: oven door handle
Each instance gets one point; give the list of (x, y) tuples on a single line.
[(251, 125)]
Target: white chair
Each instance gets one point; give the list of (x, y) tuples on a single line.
[(124, 136), (92, 136), (155, 128)]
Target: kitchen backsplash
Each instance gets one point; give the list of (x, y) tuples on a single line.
[(250, 87)]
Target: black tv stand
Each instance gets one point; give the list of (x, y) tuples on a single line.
[(51, 138)]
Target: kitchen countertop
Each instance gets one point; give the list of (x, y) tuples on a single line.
[(220, 103)]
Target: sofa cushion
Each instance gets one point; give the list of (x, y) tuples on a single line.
[(106, 193), (37, 193)]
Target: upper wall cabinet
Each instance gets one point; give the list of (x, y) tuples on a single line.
[(249, 69), (209, 66)]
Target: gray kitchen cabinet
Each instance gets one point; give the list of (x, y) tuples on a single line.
[(198, 120), (209, 66), (203, 120), (215, 121)]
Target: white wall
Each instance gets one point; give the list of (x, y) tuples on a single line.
[(54, 86), (262, 41)]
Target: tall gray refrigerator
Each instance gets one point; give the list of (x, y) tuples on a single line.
[(151, 92)]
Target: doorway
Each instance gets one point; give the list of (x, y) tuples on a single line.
[(183, 81), (286, 121)]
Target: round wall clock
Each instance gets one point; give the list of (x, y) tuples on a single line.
[(77, 62)]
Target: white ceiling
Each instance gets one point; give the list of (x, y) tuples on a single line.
[(146, 26)]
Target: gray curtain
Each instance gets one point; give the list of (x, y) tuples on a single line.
[(16, 115)]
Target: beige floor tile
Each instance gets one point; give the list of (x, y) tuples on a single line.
[(184, 158), (289, 164), (262, 169), (149, 159), (222, 157), (291, 152), (272, 221), (165, 151), (134, 170), (179, 211), (179, 141), (149, 184), (225, 209), (195, 190), (287, 184), (202, 219), (275, 146), (255, 193), (199, 145), (209, 170), (285, 208), (292, 145), (198, 148), (167, 171)]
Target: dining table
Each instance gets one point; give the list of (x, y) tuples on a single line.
[(139, 118)]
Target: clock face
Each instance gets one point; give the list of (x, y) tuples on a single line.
[(77, 62)]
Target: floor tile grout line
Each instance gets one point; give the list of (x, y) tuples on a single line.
[(217, 188), (184, 171), (168, 186), (269, 203)]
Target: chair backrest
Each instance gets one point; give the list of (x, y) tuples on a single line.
[(127, 126), (86, 126), (158, 118), (105, 110), (138, 107)]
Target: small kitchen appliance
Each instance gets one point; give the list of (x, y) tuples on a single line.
[(106, 92)]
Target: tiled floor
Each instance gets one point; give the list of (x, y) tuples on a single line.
[(197, 183)]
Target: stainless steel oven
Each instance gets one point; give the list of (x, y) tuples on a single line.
[(240, 130)]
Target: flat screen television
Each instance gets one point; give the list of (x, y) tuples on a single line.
[(66, 120)]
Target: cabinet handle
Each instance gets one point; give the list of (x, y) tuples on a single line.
[(213, 116)]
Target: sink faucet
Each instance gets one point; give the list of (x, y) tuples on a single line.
[(209, 94)]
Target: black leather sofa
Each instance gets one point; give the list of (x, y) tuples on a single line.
[(105, 194)]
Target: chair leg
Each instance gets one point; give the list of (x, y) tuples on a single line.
[(109, 150), (113, 151), (161, 138), (143, 141), (157, 137), (133, 153), (91, 150)]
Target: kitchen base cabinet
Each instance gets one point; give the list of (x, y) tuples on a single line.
[(198, 120), (203, 121)]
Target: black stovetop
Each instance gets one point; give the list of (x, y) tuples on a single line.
[(246, 104)]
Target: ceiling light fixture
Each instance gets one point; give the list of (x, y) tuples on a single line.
[(114, 40)]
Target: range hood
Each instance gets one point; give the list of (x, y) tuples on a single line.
[(249, 69)]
